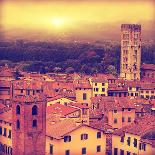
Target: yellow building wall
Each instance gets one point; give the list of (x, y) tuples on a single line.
[(116, 143), (99, 86), (79, 96), (61, 101), (5, 140), (76, 144)]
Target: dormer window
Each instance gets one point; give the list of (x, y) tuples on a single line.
[(34, 110), (18, 110)]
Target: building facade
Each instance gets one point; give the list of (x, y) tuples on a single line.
[(130, 51)]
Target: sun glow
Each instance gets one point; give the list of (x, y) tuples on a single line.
[(58, 22)]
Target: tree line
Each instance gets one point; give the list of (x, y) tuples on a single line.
[(67, 57)]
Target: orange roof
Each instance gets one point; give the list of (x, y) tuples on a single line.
[(60, 109), (64, 127), (148, 67), (113, 103), (139, 127), (78, 105), (58, 130), (29, 98), (6, 116)]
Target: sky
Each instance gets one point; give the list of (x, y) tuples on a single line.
[(73, 19)]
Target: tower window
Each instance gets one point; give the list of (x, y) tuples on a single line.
[(34, 110), (18, 124), (34, 123), (18, 110)]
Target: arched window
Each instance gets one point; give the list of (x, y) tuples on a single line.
[(34, 110), (18, 110), (18, 124), (34, 123)]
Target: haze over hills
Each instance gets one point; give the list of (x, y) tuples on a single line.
[(96, 32)]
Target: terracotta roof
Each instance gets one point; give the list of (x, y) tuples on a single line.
[(113, 103), (6, 116), (148, 67), (62, 128), (78, 105), (58, 130), (118, 87), (28, 84), (139, 127), (29, 98), (99, 79), (83, 86), (6, 72), (4, 83), (147, 86), (58, 97), (60, 109)]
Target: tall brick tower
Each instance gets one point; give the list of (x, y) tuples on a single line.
[(29, 124), (130, 51)]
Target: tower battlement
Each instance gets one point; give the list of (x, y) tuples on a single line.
[(133, 27)]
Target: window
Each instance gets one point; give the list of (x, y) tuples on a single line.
[(34, 123), (84, 136), (121, 152), (130, 88), (122, 139), (18, 124), (33, 92), (4, 134), (115, 151), (98, 149), (128, 141), (34, 110), (27, 92), (135, 142), (103, 89), (98, 134), (67, 152), (123, 119), (0, 130), (51, 149), (9, 136), (115, 120), (129, 119), (128, 153), (115, 111), (84, 111), (84, 96), (18, 110), (96, 89), (103, 84), (129, 109), (21, 91), (95, 84), (67, 138), (83, 150)]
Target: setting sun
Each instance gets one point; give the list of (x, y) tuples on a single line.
[(58, 22)]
